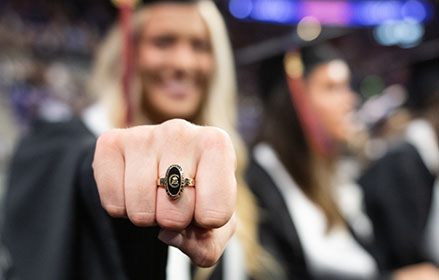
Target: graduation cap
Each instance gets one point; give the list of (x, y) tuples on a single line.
[(272, 69), (289, 71), (313, 56)]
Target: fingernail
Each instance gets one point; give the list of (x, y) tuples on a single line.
[(171, 238)]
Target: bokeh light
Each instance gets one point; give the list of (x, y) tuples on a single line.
[(406, 34), (281, 11), (414, 10), (240, 8), (309, 28), (336, 13), (371, 85)]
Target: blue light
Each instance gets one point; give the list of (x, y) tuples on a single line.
[(280, 11), (406, 34), (415, 10), (410, 34), (376, 12), (360, 12), (384, 34), (241, 8)]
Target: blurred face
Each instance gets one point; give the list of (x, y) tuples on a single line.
[(175, 61), (330, 94)]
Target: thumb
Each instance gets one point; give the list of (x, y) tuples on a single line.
[(203, 246)]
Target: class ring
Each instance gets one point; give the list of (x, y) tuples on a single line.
[(174, 181)]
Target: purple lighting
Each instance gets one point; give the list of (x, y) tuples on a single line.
[(330, 13), (336, 12)]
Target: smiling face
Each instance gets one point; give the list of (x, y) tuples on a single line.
[(176, 62), (331, 95)]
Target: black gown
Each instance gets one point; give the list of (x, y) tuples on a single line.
[(398, 194), (54, 226), (278, 232)]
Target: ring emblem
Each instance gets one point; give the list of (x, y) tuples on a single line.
[(174, 181)]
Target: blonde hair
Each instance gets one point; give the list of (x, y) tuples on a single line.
[(219, 110)]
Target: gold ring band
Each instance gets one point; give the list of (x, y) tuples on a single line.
[(188, 182), (174, 181)]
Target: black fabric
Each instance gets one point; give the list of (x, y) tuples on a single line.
[(277, 232), (398, 190), (54, 226), (424, 83)]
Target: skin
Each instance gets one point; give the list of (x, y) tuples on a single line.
[(425, 271), (201, 221), (175, 61), (176, 64), (331, 95)]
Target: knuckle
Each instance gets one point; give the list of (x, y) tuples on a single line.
[(107, 145), (171, 224), (115, 211), (174, 221), (137, 137), (175, 127), (108, 139), (142, 219), (213, 219), (216, 138)]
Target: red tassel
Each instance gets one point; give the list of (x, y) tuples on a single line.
[(125, 13), (314, 132)]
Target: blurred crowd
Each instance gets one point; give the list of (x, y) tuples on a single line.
[(46, 49)]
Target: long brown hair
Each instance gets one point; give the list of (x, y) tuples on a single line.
[(282, 129)]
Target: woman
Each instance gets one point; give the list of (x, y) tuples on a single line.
[(183, 69), (164, 77), (312, 221), (402, 188)]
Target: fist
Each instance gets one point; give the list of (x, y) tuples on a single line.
[(422, 271), (128, 162)]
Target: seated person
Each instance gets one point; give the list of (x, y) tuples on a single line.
[(402, 188), (312, 223)]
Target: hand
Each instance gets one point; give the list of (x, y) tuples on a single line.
[(128, 162), (424, 271)]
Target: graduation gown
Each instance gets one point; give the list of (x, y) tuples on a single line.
[(54, 226), (278, 234), (278, 231), (398, 192)]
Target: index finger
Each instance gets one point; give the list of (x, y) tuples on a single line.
[(215, 188), (108, 170)]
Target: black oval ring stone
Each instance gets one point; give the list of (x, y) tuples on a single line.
[(174, 181)]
